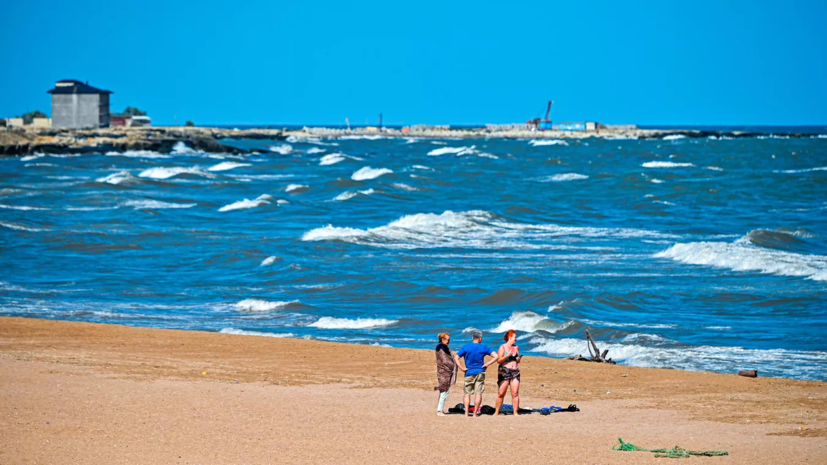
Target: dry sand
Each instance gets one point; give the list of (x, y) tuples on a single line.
[(88, 393)]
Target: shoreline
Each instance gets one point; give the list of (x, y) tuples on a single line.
[(89, 392), (28, 141), (72, 390)]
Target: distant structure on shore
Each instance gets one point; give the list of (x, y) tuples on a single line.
[(78, 105), (130, 121)]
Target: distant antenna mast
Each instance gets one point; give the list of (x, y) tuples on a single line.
[(348, 124), (380, 120)]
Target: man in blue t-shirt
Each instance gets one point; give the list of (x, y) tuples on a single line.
[(474, 369)]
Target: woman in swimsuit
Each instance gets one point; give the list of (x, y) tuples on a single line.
[(508, 374)]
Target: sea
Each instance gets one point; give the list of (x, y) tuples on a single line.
[(705, 254)]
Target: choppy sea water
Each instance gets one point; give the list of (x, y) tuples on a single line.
[(700, 254)]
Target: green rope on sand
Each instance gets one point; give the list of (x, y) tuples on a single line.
[(676, 452)]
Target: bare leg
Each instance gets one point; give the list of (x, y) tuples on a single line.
[(515, 394), (501, 396), (466, 400), (478, 404)]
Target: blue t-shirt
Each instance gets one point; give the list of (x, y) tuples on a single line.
[(474, 354)]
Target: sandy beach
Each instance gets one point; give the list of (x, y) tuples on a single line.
[(90, 393)]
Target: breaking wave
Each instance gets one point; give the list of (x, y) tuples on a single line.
[(284, 149), (246, 203), (805, 170), (541, 142), (529, 322), (20, 227), (472, 229), (665, 164), (269, 260), (563, 177), (155, 204), (255, 305), (674, 137), (241, 332), (227, 165), (328, 322), (757, 252), (296, 188), (446, 150), (369, 173), (121, 177), (166, 173), (350, 194)]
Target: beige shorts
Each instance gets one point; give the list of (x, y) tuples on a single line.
[(475, 384)]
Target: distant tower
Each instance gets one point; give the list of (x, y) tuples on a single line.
[(380, 120), (77, 105)]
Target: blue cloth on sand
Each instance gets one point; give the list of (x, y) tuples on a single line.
[(474, 354)]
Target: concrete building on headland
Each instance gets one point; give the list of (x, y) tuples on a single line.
[(77, 105)]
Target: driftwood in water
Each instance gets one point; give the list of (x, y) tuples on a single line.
[(597, 356), (748, 373)]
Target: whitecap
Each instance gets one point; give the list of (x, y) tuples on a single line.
[(256, 305), (541, 142), (404, 187), (674, 137), (137, 154), (20, 227), (241, 332), (227, 165), (121, 177), (180, 148), (283, 149), (269, 260), (369, 173), (350, 194), (32, 157), (665, 164), (422, 167), (166, 173), (446, 150), (344, 323), (805, 170), (296, 188), (314, 150), (713, 168), (155, 204), (656, 181), (246, 203), (331, 159), (742, 255), (564, 177), (21, 207), (529, 322)]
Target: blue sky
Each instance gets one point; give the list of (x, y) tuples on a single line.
[(718, 62)]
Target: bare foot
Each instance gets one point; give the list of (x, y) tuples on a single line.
[(440, 414)]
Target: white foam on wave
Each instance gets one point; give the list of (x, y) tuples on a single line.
[(21, 207), (563, 177), (713, 168), (801, 364), (656, 181), (283, 149), (328, 322), (350, 194), (674, 137), (227, 165), (241, 332), (805, 170), (475, 229), (155, 204), (529, 322), (247, 203), (665, 164), (121, 177), (296, 187), (447, 150), (404, 187), (20, 227), (269, 260), (32, 157), (367, 172), (422, 167), (180, 148), (315, 150), (541, 142), (8, 191), (137, 154), (742, 255), (331, 159), (166, 173), (256, 305)]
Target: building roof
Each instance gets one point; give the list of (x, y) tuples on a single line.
[(72, 86)]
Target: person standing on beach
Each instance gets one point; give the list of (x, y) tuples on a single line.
[(474, 368), (508, 373), (446, 371)]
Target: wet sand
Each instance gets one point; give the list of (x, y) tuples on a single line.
[(89, 393)]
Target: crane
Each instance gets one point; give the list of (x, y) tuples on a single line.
[(545, 123)]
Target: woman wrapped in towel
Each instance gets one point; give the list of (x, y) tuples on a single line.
[(446, 371)]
